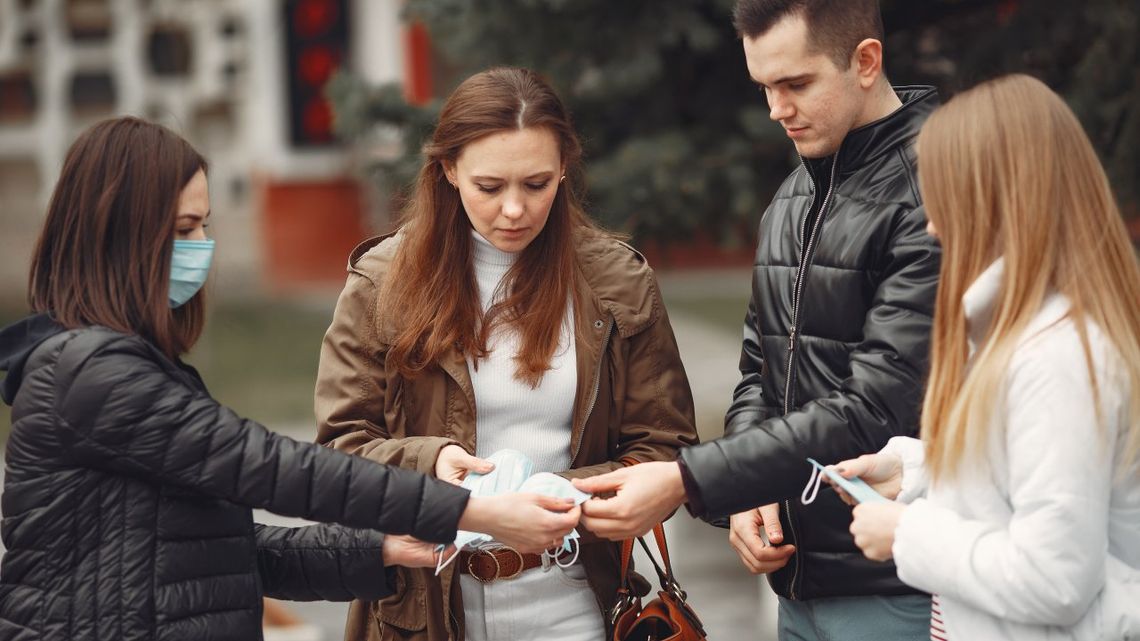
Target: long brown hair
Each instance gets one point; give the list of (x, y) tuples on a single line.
[(432, 283), (104, 255), (1006, 170)]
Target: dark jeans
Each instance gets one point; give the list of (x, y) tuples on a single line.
[(869, 618)]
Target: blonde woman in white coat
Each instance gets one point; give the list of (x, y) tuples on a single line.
[(1020, 507)]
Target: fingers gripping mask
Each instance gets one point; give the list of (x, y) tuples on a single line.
[(856, 487), (549, 484), (514, 472)]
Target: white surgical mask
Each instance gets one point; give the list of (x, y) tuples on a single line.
[(514, 473)]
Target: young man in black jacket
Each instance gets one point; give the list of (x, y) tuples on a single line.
[(836, 336)]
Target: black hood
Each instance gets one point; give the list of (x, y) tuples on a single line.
[(17, 342)]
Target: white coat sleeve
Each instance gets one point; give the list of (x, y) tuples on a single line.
[(1046, 565), (913, 456)]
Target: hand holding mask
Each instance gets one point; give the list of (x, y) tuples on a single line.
[(525, 504)]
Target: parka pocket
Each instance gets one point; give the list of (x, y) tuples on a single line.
[(403, 614)]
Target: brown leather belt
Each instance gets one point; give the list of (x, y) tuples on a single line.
[(497, 563)]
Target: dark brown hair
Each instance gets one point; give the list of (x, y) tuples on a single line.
[(104, 255), (836, 26), (432, 284)]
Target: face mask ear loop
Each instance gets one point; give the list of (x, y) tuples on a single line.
[(812, 487), (577, 549), (441, 564)]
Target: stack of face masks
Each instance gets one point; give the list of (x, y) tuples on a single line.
[(514, 472)]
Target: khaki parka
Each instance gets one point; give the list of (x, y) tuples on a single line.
[(633, 401)]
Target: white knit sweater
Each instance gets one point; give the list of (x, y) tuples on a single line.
[(509, 413), (555, 603)]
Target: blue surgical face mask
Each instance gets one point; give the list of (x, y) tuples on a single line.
[(514, 473), (856, 487), (189, 267)]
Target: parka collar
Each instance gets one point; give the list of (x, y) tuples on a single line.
[(864, 144), (617, 276)]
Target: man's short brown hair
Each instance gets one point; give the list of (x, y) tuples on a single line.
[(836, 26)]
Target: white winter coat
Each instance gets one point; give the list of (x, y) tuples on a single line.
[(1046, 543)]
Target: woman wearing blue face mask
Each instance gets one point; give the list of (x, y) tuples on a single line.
[(128, 490)]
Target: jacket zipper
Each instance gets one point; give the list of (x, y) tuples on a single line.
[(796, 568), (594, 394), (801, 279)]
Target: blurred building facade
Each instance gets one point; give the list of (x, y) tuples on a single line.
[(241, 79)]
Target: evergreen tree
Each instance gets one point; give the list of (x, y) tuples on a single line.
[(678, 140)]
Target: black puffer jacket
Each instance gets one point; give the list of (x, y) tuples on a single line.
[(835, 348), (128, 494)]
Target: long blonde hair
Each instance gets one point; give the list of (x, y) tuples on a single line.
[(1006, 170)]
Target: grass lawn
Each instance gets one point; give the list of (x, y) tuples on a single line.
[(725, 312), (260, 358), (7, 315)]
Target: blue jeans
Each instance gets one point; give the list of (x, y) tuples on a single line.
[(862, 618)]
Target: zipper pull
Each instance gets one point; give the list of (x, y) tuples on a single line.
[(792, 340)]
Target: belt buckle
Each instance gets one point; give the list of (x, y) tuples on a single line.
[(521, 563), (498, 566), (471, 566)]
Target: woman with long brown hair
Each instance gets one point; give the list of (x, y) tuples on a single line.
[(1024, 493), (128, 490), (511, 323)]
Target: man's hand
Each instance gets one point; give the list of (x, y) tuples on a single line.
[(527, 522), (883, 472), (453, 464), (409, 552), (646, 495), (874, 528), (744, 535)]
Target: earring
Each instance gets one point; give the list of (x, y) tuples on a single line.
[(562, 179)]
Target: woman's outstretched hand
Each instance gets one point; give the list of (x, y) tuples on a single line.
[(454, 463), (526, 522), (883, 472), (410, 552)]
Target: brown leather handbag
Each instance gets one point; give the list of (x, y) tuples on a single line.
[(666, 618)]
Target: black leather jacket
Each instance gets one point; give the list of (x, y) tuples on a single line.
[(835, 349), (128, 494)]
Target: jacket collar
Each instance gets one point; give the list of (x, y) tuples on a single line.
[(980, 301), (618, 278), (864, 144)]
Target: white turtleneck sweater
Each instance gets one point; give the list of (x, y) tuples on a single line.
[(509, 413), (539, 604)]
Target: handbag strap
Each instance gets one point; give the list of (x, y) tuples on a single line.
[(665, 576)]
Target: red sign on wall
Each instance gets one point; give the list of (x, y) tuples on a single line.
[(316, 46)]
